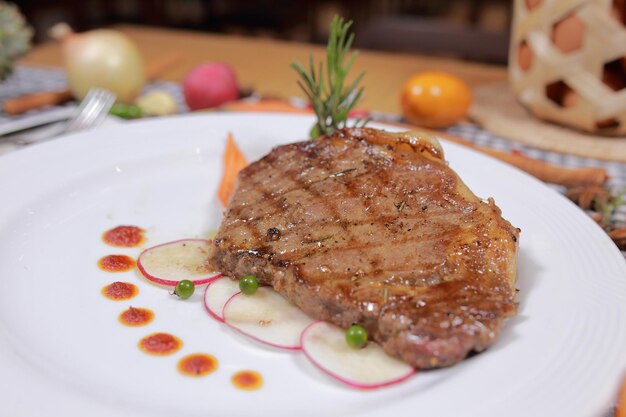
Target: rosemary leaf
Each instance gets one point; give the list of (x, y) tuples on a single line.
[(330, 98)]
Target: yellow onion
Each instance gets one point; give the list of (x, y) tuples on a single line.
[(101, 58)]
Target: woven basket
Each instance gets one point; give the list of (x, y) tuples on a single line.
[(567, 62)]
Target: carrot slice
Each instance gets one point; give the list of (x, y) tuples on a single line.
[(234, 161), (621, 406)]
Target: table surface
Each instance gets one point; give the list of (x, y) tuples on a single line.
[(263, 64)]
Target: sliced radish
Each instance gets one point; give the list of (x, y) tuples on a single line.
[(367, 368), (168, 263), (216, 295), (267, 317)]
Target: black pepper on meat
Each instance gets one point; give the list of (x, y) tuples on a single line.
[(335, 232)]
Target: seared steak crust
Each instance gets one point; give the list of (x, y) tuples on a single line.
[(374, 228)]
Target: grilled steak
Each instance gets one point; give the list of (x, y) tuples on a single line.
[(374, 228)]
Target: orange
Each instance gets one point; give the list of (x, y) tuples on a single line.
[(435, 99)]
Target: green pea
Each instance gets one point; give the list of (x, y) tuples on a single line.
[(248, 284), (184, 289), (356, 336)]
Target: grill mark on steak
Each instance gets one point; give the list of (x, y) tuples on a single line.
[(350, 189), (331, 167), (333, 208), (329, 207), (329, 244), (361, 247), (309, 184), (431, 278)]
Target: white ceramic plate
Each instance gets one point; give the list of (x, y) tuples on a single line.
[(63, 352)]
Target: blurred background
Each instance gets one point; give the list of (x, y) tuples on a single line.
[(476, 30)]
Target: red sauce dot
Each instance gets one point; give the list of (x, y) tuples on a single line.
[(124, 236), (120, 291), (247, 380), (160, 344), (116, 263), (197, 364), (136, 316)]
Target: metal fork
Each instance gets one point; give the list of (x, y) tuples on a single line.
[(91, 113), (92, 110)]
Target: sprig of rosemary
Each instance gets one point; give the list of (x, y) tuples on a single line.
[(330, 98), (604, 207)]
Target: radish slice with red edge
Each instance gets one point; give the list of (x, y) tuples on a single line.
[(170, 262), (217, 293), (267, 317), (367, 368)]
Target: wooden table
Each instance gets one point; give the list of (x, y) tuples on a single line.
[(263, 64)]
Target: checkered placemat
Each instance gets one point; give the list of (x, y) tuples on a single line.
[(615, 170), (31, 79)]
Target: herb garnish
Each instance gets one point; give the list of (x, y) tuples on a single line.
[(330, 99), (603, 206), (341, 173), (608, 207)]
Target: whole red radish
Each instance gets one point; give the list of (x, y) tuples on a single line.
[(210, 85)]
